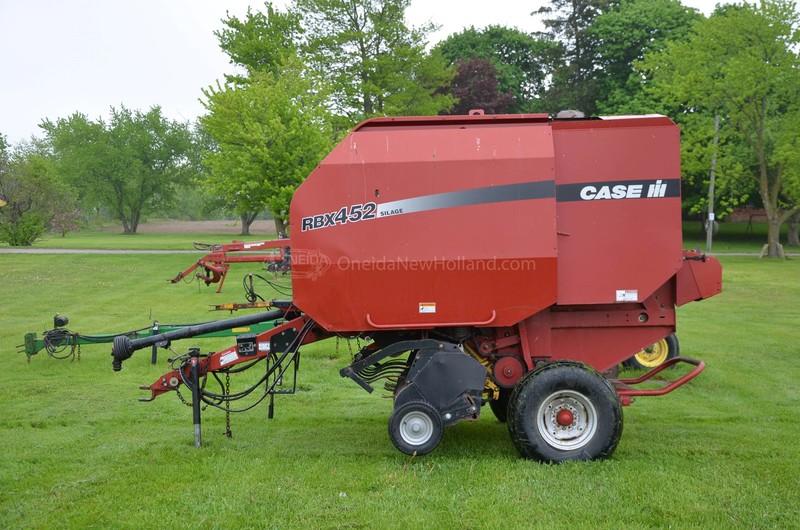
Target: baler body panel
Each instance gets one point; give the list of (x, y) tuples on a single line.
[(564, 237), (461, 228), (617, 243)]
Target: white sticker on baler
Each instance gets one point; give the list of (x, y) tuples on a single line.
[(427, 307), (627, 295), (228, 358)]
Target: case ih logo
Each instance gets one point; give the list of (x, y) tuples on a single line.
[(622, 191), (631, 189)]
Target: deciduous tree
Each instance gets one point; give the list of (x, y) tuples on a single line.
[(522, 62), (376, 63), (270, 133), (568, 22), (742, 63), (31, 194), (263, 41), (132, 164), (476, 87), (623, 35)]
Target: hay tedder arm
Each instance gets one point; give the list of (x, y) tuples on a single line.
[(216, 263)]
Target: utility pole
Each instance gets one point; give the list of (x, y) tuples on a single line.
[(710, 221)]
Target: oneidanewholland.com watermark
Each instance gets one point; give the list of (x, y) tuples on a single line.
[(314, 264)]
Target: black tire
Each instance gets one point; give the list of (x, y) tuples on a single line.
[(571, 392), (415, 427), (655, 355), (499, 406)]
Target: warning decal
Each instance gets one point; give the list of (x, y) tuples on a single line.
[(627, 295)]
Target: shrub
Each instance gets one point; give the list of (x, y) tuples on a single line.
[(22, 233)]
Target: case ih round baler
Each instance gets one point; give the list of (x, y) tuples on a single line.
[(505, 259)]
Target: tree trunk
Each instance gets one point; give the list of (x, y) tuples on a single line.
[(247, 220), (135, 216), (280, 228), (773, 248), (125, 227), (118, 205), (769, 190), (794, 239)]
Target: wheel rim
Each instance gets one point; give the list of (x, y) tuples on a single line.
[(416, 428), (654, 355), (566, 420)]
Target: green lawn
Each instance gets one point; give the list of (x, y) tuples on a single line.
[(79, 450), (732, 237)]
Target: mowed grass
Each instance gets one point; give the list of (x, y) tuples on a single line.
[(739, 236), (80, 451)]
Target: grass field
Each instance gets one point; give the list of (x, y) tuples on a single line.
[(732, 237), (79, 451)]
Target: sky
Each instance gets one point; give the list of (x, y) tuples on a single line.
[(58, 57)]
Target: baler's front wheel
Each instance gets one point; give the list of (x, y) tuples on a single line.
[(415, 427), (564, 411)]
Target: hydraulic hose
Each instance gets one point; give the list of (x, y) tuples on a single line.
[(124, 347)]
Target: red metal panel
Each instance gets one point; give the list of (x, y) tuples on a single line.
[(616, 244), (463, 228), (699, 278), (604, 348), (409, 122), (601, 336)]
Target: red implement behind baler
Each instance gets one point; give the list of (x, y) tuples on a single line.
[(504, 259), (216, 263)]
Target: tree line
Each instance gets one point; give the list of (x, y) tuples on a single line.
[(303, 76)]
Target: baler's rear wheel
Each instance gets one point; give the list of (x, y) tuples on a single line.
[(564, 411), (500, 406), (415, 427), (656, 354)]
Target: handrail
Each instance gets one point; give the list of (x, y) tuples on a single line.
[(666, 389), (430, 324)]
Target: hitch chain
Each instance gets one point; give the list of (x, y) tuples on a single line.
[(353, 356), (228, 432), (180, 396)]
